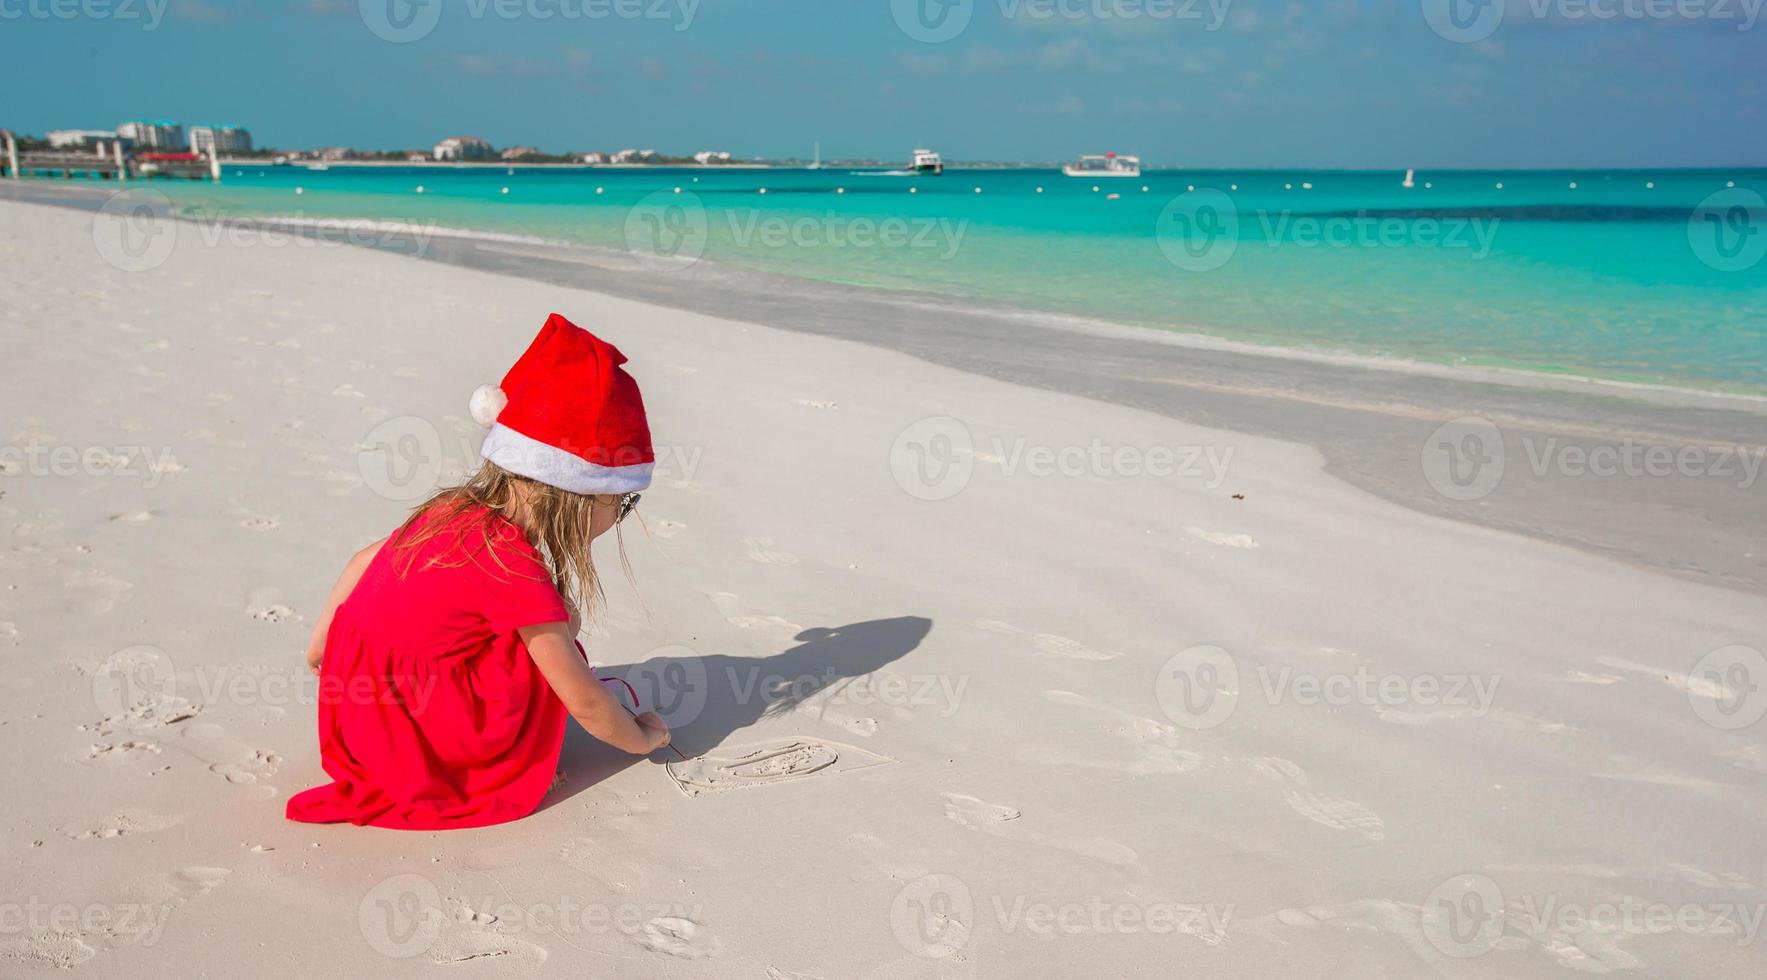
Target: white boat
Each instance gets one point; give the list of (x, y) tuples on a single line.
[(927, 162), (1104, 165), (816, 164)]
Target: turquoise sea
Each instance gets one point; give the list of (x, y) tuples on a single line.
[(1635, 275)]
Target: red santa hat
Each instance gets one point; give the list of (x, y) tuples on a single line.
[(567, 415)]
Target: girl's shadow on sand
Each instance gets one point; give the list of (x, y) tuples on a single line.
[(723, 695)]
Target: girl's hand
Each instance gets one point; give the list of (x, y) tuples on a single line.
[(315, 655), (656, 731)]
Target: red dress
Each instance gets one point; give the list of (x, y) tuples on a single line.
[(431, 713)]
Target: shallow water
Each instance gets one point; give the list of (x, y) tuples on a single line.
[(1637, 275)]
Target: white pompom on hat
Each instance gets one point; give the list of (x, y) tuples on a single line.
[(487, 403)]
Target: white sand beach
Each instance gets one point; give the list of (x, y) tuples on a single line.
[(974, 680)]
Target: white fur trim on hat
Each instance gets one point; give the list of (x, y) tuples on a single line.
[(486, 404), (554, 467)]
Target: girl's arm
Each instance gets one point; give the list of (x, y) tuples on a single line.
[(595, 708), (346, 583)]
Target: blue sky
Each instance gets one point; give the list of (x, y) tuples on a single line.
[(1239, 83)]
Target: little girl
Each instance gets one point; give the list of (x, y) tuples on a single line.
[(447, 652)]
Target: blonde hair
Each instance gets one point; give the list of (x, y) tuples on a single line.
[(558, 523)]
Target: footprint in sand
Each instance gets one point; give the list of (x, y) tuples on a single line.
[(130, 820), (1328, 811), (678, 936), (153, 898), (260, 524), (817, 404), (1001, 821), (117, 753), (1154, 746), (107, 591), (9, 632), (275, 612), (132, 517), (769, 763), (1048, 644), (761, 550), (731, 608), (465, 944), (1222, 538), (228, 757), (662, 527)]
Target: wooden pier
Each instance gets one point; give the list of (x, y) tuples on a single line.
[(105, 164)]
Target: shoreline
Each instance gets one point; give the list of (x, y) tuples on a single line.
[(1371, 423), (1660, 392)]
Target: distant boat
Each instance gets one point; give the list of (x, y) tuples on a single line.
[(816, 164), (1410, 179), (927, 162), (1104, 165)]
